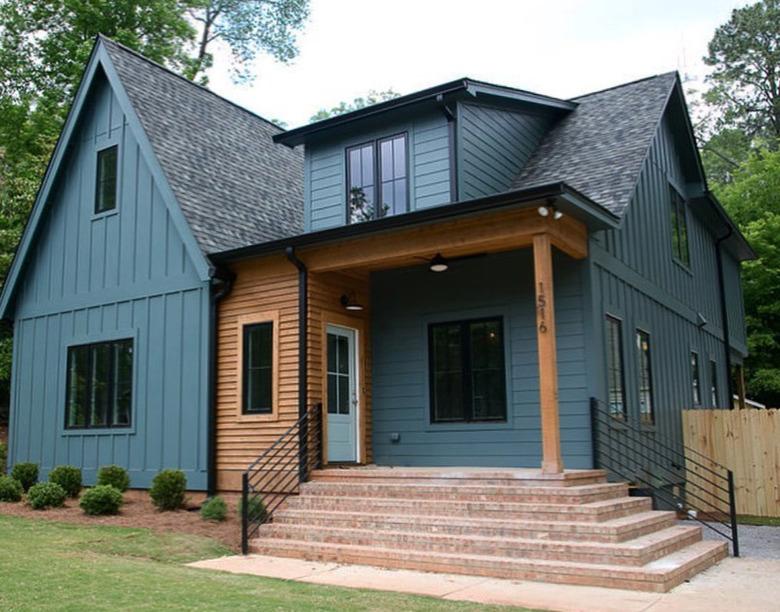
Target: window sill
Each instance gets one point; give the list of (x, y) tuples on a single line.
[(99, 431), (257, 417), (467, 425), (683, 266), (105, 214)]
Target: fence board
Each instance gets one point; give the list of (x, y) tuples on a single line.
[(747, 442)]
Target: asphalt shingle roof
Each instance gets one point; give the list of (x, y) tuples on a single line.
[(600, 147), (234, 185)]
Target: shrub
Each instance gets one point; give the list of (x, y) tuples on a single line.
[(26, 474), (10, 489), (255, 509), (3, 456), (168, 489), (115, 476), (101, 499), (214, 509), (68, 477), (46, 495)]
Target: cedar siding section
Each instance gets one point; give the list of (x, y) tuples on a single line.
[(267, 289)]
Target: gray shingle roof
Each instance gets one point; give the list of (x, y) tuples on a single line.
[(234, 185), (600, 147)]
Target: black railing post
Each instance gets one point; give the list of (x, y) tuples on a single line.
[(244, 513), (733, 514), (303, 448), (594, 432)]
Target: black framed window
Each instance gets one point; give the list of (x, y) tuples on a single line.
[(679, 228), (714, 383), (646, 403), (695, 379), (377, 182), (616, 393), (258, 368), (105, 189), (467, 373), (99, 385)]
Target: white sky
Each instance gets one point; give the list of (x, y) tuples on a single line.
[(560, 48)]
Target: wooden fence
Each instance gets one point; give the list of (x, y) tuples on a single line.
[(747, 442)]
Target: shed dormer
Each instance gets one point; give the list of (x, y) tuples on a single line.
[(454, 142)]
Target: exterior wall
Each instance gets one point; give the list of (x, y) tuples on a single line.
[(493, 146), (405, 301), (325, 190), (98, 277)]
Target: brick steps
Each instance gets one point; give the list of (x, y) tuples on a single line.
[(658, 576), (614, 530)]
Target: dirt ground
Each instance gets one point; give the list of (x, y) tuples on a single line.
[(138, 511)]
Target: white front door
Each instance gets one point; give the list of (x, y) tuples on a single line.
[(342, 394)]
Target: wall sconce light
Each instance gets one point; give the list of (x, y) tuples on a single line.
[(350, 303), (438, 263)]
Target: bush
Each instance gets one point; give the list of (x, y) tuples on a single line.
[(26, 474), (10, 489), (255, 509), (68, 477), (102, 499), (3, 456), (214, 509), (46, 495), (168, 489), (115, 476)]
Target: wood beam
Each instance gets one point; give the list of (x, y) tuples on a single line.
[(548, 359)]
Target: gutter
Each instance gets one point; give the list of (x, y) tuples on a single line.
[(221, 286), (303, 359), (724, 313)]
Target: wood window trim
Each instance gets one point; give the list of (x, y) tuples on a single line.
[(647, 424), (679, 227), (98, 153), (609, 319), (266, 316)]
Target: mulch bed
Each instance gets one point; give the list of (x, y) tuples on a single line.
[(138, 511)]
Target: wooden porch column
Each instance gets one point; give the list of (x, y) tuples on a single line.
[(548, 360)]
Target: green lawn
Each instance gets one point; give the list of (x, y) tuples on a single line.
[(55, 566)]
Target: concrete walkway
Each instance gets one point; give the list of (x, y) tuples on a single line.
[(746, 585)]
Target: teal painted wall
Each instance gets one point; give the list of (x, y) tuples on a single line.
[(405, 301), (92, 278), (493, 146), (428, 166)]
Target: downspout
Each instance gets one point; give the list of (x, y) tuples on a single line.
[(724, 314), (452, 136), (303, 356), (221, 286)]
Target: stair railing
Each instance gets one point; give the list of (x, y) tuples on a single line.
[(279, 471), (682, 477)]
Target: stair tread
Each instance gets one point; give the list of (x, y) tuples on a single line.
[(483, 489)]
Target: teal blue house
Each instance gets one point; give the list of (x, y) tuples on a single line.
[(480, 266)]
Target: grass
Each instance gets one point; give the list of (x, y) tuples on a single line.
[(55, 566), (746, 519)]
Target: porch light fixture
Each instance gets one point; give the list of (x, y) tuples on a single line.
[(438, 263), (546, 211), (349, 303)]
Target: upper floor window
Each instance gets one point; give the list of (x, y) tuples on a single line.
[(616, 396), (105, 189), (99, 385), (695, 378), (679, 228), (377, 182), (646, 403), (714, 383)]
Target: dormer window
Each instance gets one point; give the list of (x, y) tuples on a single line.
[(105, 188), (679, 228), (377, 183)]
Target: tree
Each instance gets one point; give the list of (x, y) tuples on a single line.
[(752, 198), (744, 83), (372, 97), (248, 27)]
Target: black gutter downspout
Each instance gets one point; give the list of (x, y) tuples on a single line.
[(452, 122), (303, 360), (221, 285), (724, 313)]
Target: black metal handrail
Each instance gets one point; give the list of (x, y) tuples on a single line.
[(279, 471), (676, 476)]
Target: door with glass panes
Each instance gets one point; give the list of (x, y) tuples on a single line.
[(342, 396)]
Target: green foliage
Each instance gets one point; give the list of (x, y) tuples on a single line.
[(101, 499), (3, 456), (214, 509), (26, 474), (46, 495), (372, 97), (744, 55), (256, 510), (115, 476), (68, 477), (168, 489), (10, 489)]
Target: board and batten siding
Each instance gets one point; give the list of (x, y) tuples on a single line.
[(325, 187), (124, 274), (493, 146), (406, 301)]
